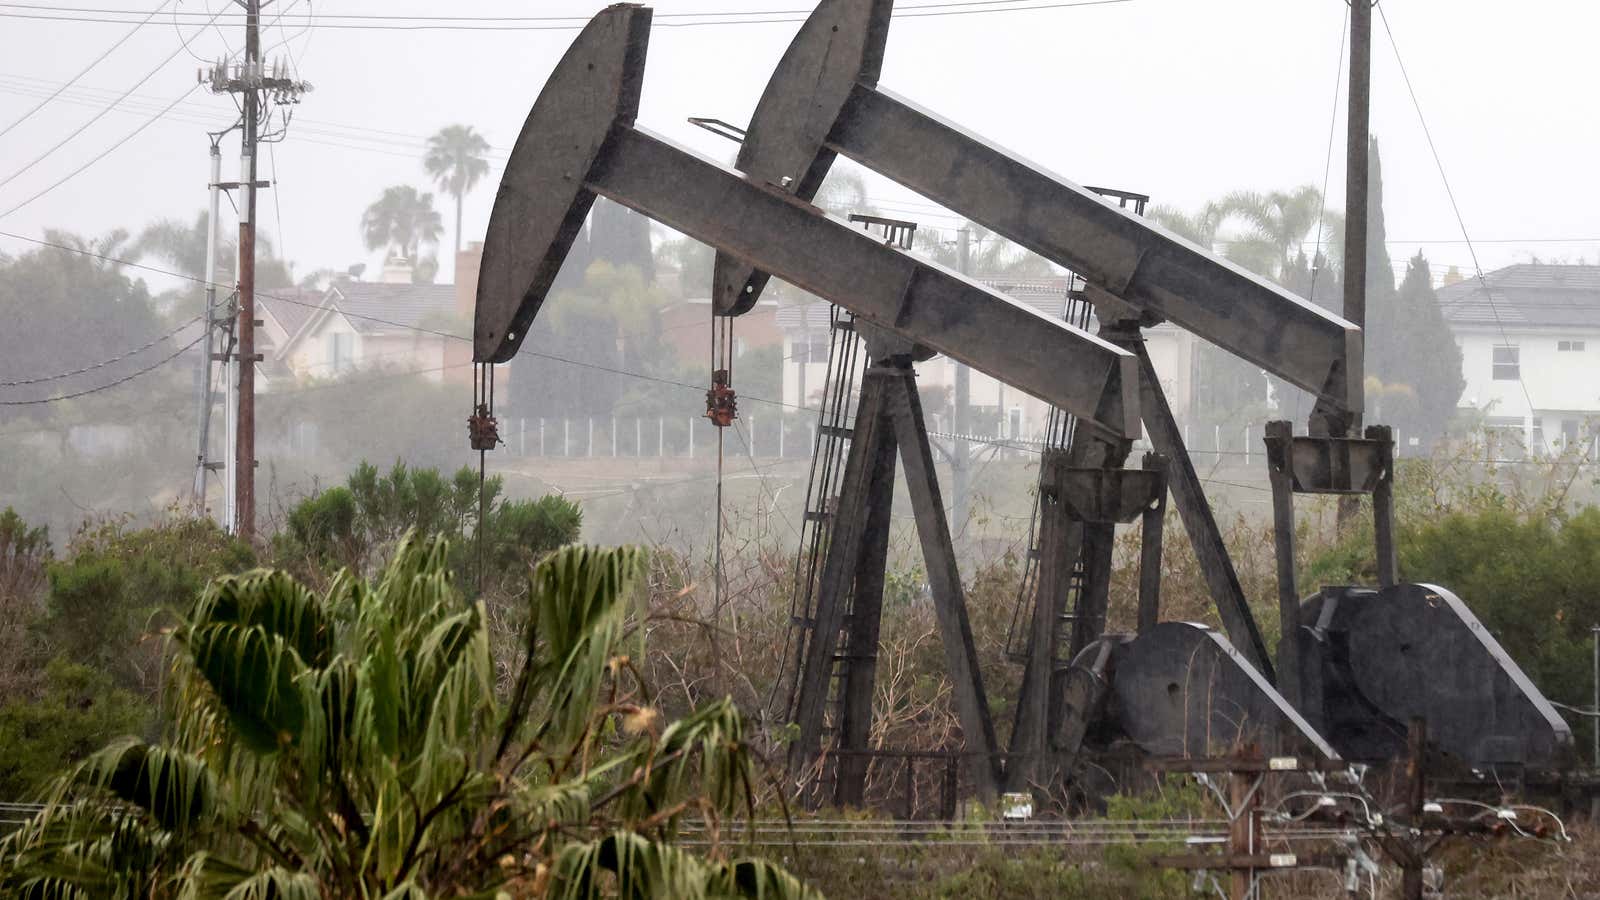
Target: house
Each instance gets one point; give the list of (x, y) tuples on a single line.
[(995, 408), (1530, 351), (686, 327), (390, 325)]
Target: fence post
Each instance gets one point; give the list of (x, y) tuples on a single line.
[(541, 435), (638, 438), (566, 436), (1247, 445), (1216, 439), (691, 437), (590, 448), (780, 436), (613, 437), (911, 789), (522, 435), (752, 437), (947, 803)]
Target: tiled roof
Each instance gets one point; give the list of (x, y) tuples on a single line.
[(290, 306), (380, 308), (1524, 295)]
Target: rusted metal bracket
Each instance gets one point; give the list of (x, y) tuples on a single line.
[(580, 141), (823, 100)]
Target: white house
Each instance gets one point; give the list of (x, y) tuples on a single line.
[(357, 325), (1530, 351)]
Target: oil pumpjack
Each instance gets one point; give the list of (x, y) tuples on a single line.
[(1346, 677)]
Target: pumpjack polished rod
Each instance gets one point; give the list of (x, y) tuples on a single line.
[(823, 101), (580, 141)]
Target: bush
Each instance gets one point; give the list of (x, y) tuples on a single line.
[(117, 588), (356, 525), (24, 554), (77, 712)]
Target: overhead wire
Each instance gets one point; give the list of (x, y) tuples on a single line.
[(99, 156), (84, 71), (106, 387), (124, 140), (1455, 207), (106, 362), (103, 112), (378, 22)]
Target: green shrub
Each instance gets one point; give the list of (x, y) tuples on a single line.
[(76, 713), (356, 525), (117, 588)]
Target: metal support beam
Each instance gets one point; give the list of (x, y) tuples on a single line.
[(1383, 508), (1188, 493), (889, 420), (1060, 544), (1280, 467), (839, 569), (949, 600), (882, 284), (866, 613), (1152, 529), (579, 141), (823, 100)]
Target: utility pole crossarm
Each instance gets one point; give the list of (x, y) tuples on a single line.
[(823, 100), (576, 146)]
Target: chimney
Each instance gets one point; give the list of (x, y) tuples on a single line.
[(396, 270), (468, 262)]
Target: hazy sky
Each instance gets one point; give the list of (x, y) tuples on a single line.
[(1180, 99)]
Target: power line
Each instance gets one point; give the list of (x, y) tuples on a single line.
[(1449, 192), (102, 154), (557, 23), (106, 387), (103, 363), (513, 25), (84, 71), (102, 113)]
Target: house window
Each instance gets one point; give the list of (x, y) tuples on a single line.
[(1507, 363), (812, 350), (341, 352), (1569, 346), (1569, 433)]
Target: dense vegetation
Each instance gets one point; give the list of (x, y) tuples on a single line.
[(349, 743)]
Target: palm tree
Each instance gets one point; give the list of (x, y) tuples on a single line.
[(183, 246), (352, 744), (456, 161), (1200, 227), (401, 221), (1278, 222)]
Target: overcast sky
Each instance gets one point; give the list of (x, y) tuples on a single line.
[(1180, 99)]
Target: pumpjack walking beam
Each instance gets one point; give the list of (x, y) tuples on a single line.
[(889, 417), (579, 141), (823, 101)]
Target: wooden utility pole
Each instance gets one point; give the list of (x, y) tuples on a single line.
[(1355, 200), (245, 450), (1356, 168)]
